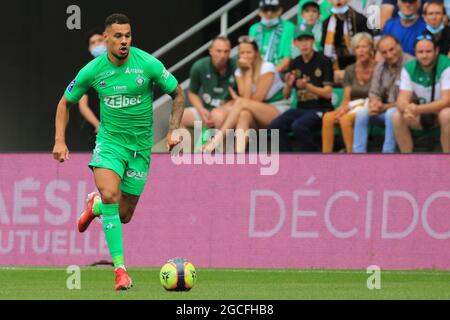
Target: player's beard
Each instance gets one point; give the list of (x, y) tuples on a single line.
[(121, 57)]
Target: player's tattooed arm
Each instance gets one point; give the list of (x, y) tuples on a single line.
[(177, 115)]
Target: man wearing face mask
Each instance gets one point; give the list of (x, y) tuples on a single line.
[(434, 15), (89, 104), (408, 25), (338, 30), (273, 35)]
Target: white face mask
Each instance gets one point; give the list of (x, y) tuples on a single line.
[(340, 10), (435, 30), (270, 23), (98, 51)]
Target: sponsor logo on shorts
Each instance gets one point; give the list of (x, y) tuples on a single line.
[(121, 101), (136, 175)]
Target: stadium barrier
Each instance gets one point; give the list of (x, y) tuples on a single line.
[(334, 211)]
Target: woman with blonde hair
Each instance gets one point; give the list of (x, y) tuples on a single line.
[(356, 85), (259, 99)]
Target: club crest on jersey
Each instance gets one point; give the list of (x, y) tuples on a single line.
[(71, 86), (102, 84), (140, 80)]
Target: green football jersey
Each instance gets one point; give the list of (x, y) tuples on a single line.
[(415, 79), (126, 96)]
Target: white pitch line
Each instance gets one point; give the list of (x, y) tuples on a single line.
[(390, 271)]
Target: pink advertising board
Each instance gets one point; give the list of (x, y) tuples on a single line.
[(315, 211)]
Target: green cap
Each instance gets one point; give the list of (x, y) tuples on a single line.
[(304, 34), (309, 2)]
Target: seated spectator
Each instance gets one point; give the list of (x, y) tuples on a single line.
[(390, 8), (428, 78), (383, 96), (208, 91), (338, 30), (407, 26), (311, 74), (434, 15), (310, 13), (356, 85), (273, 35), (260, 95)]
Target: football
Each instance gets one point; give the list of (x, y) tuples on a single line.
[(178, 274)]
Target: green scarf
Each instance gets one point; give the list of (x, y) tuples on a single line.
[(272, 54)]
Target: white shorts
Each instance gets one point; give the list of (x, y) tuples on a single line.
[(282, 106), (195, 113)]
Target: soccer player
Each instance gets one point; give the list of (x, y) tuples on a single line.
[(124, 78)]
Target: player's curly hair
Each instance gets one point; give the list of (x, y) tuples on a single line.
[(116, 18)]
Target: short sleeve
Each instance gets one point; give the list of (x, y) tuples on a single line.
[(79, 86), (405, 81), (349, 76), (268, 67), (162, 77), (445, 81), (328, 74), (195, 77)]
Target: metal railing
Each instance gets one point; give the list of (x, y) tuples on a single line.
[(161, 106), (221, 13)]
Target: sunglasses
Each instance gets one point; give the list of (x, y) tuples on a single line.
[(425, 36), (246, 39)]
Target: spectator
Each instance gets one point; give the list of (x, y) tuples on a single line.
[(338, 30), (390, 8), (260, 95), (310, 13), (89, 104), (434, 15), (428, 78), (311, 74), (324, 8), (356, 85), (383, 96), (208, 91), (273, 35), (447, 9), (407, 26)]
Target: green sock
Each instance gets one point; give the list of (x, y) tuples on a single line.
[(113, 233), (97, 207)]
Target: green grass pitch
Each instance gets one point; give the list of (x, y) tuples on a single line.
[(226, 284)]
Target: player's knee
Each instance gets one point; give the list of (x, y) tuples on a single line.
[(110, 196), (126, 219)]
